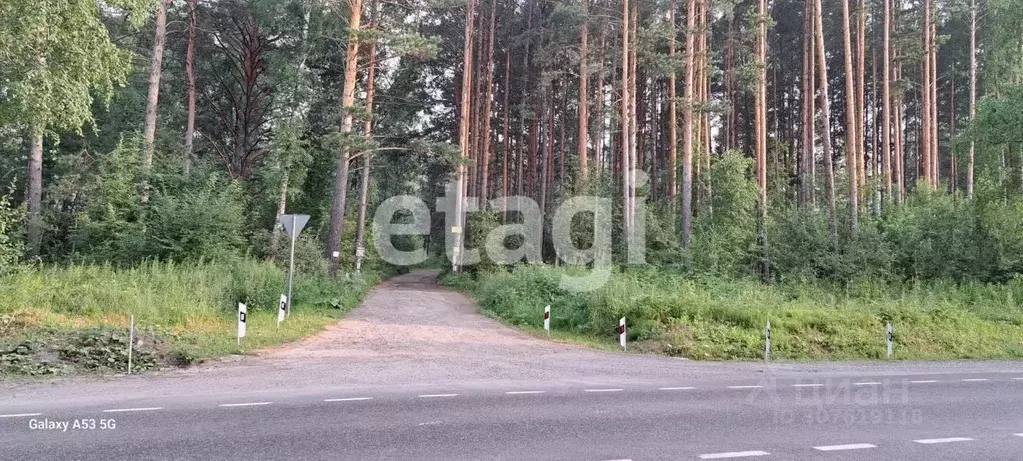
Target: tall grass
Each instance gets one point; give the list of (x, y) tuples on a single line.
[(191, 307), (713, 318)]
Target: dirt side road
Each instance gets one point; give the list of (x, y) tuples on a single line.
[(410, 317), (423, 332)]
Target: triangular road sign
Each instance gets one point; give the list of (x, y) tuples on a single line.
[(294, 223)]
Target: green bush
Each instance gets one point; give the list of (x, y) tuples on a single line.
[(11, 246), (201, 223), (723, 236)]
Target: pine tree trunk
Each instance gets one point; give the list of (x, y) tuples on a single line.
[(463, 132), (598, 143), (760, 129), (504, 126), (807, 111), (371, 72), (704, 87), (673, 104), (34, 229), (687, 126), (899, 162), (633, 113), (952, 165), (486, 113), (732, 126), (973, 93), (933, 85), (861, 76), (829, 174), (886, 102), (190, 76), (339, 199), (925, 97), (852, 129), (155, 72), (548, 123), (475, 126), (626, 118), (584, 104)]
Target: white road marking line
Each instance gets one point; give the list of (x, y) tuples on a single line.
[(867, 383), (20, 415), (808, 385), (945, 440), (851, 446), (524, 392), (675, 388), (430, 396), (923, 381), (973, 380), (603, 390), (1018, 435), (121, 410), (429, 423), (247, 404), (745, 387), (734, 454), (349, 399), (1017, 379)]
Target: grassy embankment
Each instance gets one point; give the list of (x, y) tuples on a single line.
[(62, 320), (714, 319)]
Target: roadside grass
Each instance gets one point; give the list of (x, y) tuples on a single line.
[(718, 319), (72, 319)]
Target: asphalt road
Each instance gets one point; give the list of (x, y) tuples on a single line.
[(416, 374), (927, 417)]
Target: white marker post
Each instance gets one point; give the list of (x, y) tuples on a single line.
[(131, 340), (282, 309), (547, 319), (293, 224), (889, 339), (242, 313), (621, 333), (360, 253), (457, 230), (767, 342)]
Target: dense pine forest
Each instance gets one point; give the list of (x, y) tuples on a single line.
[(830, 143)]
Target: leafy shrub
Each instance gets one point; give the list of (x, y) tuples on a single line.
[(10, 241), (202, 223), (258, 285), (724, 236)]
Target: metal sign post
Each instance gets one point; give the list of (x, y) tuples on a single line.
[(293, 224), (767, 342)]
